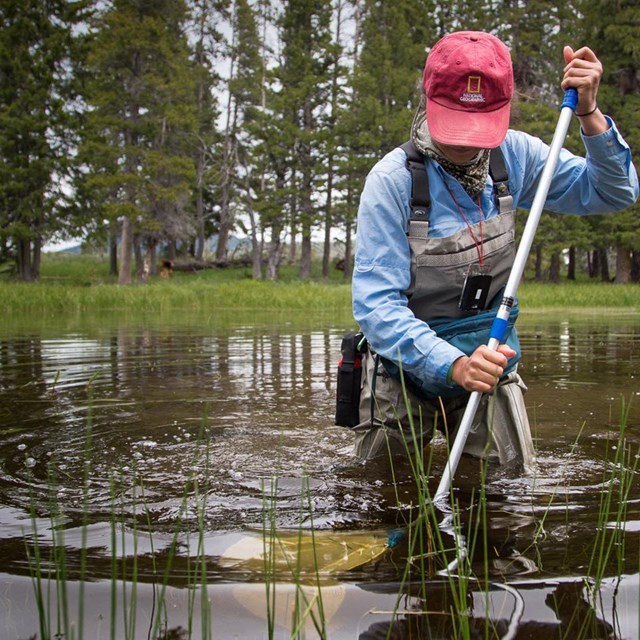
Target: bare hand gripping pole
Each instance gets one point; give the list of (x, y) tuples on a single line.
[(500, 321)]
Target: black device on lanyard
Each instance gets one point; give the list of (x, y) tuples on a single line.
[(475, 291)]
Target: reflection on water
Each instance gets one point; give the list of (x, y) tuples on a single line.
[(241, 416)]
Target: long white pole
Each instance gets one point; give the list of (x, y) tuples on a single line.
[(500, 321)]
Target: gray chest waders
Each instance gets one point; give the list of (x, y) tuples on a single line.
[(439, 267)]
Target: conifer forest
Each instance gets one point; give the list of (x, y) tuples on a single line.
[(147, 127)]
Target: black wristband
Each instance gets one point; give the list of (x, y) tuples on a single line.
[(580, 115)]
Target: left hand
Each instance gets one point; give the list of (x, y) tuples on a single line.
[(583, 71)]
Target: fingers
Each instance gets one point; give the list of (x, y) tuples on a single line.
[(568, 54), (583, 71), (581, 54), (506, 351), (482, 370), (487, 366)]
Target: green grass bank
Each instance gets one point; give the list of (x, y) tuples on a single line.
[(78, 283)]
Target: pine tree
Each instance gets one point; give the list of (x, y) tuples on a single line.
[(206, 16), (383, 92), (248, 90), (612, 31), (386, 82), (269, 172), (331, 143), (536, 32), (244, 96), (35, 138), (141, 122), (305, 80)]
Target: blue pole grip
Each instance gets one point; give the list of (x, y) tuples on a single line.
[(570, 99), (498, 328)]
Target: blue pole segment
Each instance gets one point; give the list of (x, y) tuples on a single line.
[(498, 328), (570, 99)]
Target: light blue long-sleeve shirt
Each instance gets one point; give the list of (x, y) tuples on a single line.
[(605, 181)]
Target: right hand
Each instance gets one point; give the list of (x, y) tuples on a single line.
[(482, 369)]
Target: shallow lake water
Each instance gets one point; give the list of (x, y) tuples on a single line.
[(197, 458)]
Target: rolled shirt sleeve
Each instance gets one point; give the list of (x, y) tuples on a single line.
[(602, 182)]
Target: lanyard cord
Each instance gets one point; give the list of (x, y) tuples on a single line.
[(479, 245)]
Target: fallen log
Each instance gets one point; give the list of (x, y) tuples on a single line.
[(201, 265)]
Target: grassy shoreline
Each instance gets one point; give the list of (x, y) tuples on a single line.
[(82, 283), (248, 295)]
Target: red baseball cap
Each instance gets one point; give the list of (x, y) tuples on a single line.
[(468, 81)]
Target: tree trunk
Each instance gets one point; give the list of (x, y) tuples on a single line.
[(200, 153), (24, 260), (113, 248), (126, 251), (200, 222), (538, 264), (171, 251), (4, 249), (554, 267), (335, 88), (275, 254), (326, 247), (571, 269), (603, 261), (305, 253), (256, 258), (228, 158), (256, 248), (635, 266), (594, 264), (293, 245), (138, 241), (152, 253), (37, 258), (623, 265), (223, 234), (348, 250), (146, 267)]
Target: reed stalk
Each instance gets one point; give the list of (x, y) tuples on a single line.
[(88, 444), (59, 561), (320, 624), (201, 561), (157, 625), (35, 570), (269, 535), (113, 608), (427, 548)]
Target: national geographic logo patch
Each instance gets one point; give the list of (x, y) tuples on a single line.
[(473, 92)]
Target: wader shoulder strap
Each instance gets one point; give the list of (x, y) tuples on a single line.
[(500, 177), (420, 201)]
